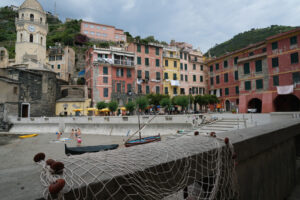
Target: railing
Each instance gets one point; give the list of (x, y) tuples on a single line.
[(122, 62), (34, 21), (170, 55)]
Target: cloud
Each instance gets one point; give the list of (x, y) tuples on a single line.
[(201, 23)]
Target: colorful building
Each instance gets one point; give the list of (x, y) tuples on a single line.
[(110, 74), (102, 32), (263, 77), (171, 62), (149, 67)]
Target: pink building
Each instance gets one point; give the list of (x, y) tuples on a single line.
[(102, 32), (149, 68), (110, 74)]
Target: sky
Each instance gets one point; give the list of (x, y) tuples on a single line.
[(202, 23)]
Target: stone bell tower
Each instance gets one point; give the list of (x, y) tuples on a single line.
[(32, 32)]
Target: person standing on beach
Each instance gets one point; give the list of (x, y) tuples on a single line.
[(72, 133)]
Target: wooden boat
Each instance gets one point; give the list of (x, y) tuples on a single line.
[(144, 140), (89, 149), (28, 136)]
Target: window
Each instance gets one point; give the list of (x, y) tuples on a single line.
[(92, 26), (212, 81), (105, 79), (105, 92), (15, 90), (105, 70), (237, 89), (174, 76), (275, 62), (147, 61), (236, 60), (120, 72), (138, 48), (166, 76), (246, 68), (181, 77), (92, 33), (226, 91), (236, 75), (294, 58), (175, 91), (274, 45), (171, 54), (186, 78), (86, 32), (41, 40), (211, 68), (166, 63), (182, 91), (180, 55), (247, 85), (201, 67), (264, 50), (59, 57), (58, 66), (225, 64), (139, 73), (157, 76), (31, 17), (86, 25), (21, 37), (296, 77), (185, 56), (217, 66), (194, 78), (293, 40), (201, 78), (157, 51), (275, 80), (251, 54), (128, 73), (217, 79), (147, 75), (104, 28), (181, 66), (185, 67), (139, 60), (175, 64), (140, 89), (194, 66), (147, 89), (129, 87), (31, 38), (259, 84), (58, 74), (157, 62), (196, 59), (221, 92), (258, 66), (146, 49), (98, 27), (52, 66), (166, 90), (51, 58), (98, 34), (226, 78), (157, 90)]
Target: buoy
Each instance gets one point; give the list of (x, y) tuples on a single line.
[(39, 157), (56, 187)]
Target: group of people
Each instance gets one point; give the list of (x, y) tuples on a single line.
[(75, 132)]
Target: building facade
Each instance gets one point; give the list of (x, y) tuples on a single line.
[(62, 61), (4, 57), (171, 79), (149, 68), (102, 32), (110, 74), (32, 30)]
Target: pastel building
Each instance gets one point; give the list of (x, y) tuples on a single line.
[(102, 32), (171, 62), (62, 60), (110, 74), (149, 69)]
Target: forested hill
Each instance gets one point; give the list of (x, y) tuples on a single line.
[(242, 40)]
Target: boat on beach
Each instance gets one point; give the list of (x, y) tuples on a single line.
[(144, 140), (89, 149)]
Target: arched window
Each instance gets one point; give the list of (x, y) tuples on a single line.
[(31, 38), (22, 15), (31, 17), (41, 40), (21, 37), (41, 20)]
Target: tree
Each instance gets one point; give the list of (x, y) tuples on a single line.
[(166, 103), (182, 101), (154, 99), (113, 106), (101, 105), (130, 106), (142, 103), (201, 100), (81, 39)]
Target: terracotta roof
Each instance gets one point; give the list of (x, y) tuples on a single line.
[(32, 4)]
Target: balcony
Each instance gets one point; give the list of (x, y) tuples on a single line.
[(21, 22), (119, 62), (168, 55)]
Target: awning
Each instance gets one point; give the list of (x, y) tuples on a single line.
[(91, 109), (105, 110), (283, 90), (78, 110), (102, 52), (123, 108)]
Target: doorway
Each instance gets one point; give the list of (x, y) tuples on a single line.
[(255, 105), (25, 110), (227, 105), (287, 103)]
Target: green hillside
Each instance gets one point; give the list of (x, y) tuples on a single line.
[(242, 40)]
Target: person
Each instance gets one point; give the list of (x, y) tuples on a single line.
[(59, 133), (79, 141), (78, 132), (72, 133)]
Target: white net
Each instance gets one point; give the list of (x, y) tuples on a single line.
[(190, 167)]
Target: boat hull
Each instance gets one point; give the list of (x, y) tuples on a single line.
[(145, 140), (89, 149)]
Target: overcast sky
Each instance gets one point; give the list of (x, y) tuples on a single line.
[(202, 23)]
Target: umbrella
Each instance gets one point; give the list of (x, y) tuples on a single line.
[(105, 110), (123, 108), (91, 109), (77, 110)]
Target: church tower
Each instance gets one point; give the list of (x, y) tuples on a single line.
[(32, 30)]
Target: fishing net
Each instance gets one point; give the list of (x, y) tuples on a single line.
[(190, 167)]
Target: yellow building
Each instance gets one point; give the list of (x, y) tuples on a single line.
[(171, 63), (75, 101)]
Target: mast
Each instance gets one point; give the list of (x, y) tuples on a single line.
[(140, 134)]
